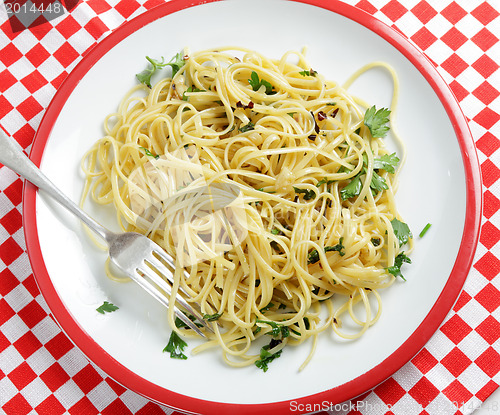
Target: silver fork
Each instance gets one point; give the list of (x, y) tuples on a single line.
[(134, 254)]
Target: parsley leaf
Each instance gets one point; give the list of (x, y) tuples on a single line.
[(352, 189), (401, 230), (376, 121), (308, 193), (176, 346), (277, 330), (266, 357), (256, 83), (398, 262), (387, 162), (339, 247), (177, 62), (145, 76), (313, 256), (106, 307), (378, 183)]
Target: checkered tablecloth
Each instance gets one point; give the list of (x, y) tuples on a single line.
[(42, 372)]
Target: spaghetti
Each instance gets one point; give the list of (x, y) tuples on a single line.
[(272, 188)]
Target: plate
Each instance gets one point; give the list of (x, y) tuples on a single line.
[(440, 184)]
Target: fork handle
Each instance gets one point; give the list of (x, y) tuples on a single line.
[(12, 156)]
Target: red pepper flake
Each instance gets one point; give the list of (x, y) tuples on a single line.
[(316, 126), (322, 115), (312, 137), (239, 104), (335, 112)]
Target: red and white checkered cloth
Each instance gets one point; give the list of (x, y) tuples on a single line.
[(42, 372)]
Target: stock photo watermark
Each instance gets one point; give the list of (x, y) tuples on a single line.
[(29, 13), (491, 406)]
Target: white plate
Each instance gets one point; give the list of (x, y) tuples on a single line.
[(440, 184)]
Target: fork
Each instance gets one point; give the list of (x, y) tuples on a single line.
[(134, 254)]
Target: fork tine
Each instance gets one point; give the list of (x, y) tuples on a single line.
[(151, 289), (157, 279), (168, 259), (160, 282)]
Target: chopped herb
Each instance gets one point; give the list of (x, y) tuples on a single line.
[(387, 162), (378, 183), (424, 231), (212, 317), (313, 256), (275, 231), (401, 230), (352, 189), (308, 193), (177, 62), (277, 330), (267, 307), (376, 121), (181, 325), (398, 262), (339, 247), (307, 323), (256, 83), (308, 73), (106, 307), (175, 347), (248, 127), (325, 180), (148, 153), (266, 357), (281, 306)]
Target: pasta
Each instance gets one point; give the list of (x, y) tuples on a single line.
[(272, 188)]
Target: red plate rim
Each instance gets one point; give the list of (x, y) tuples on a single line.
[(332, 396)]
